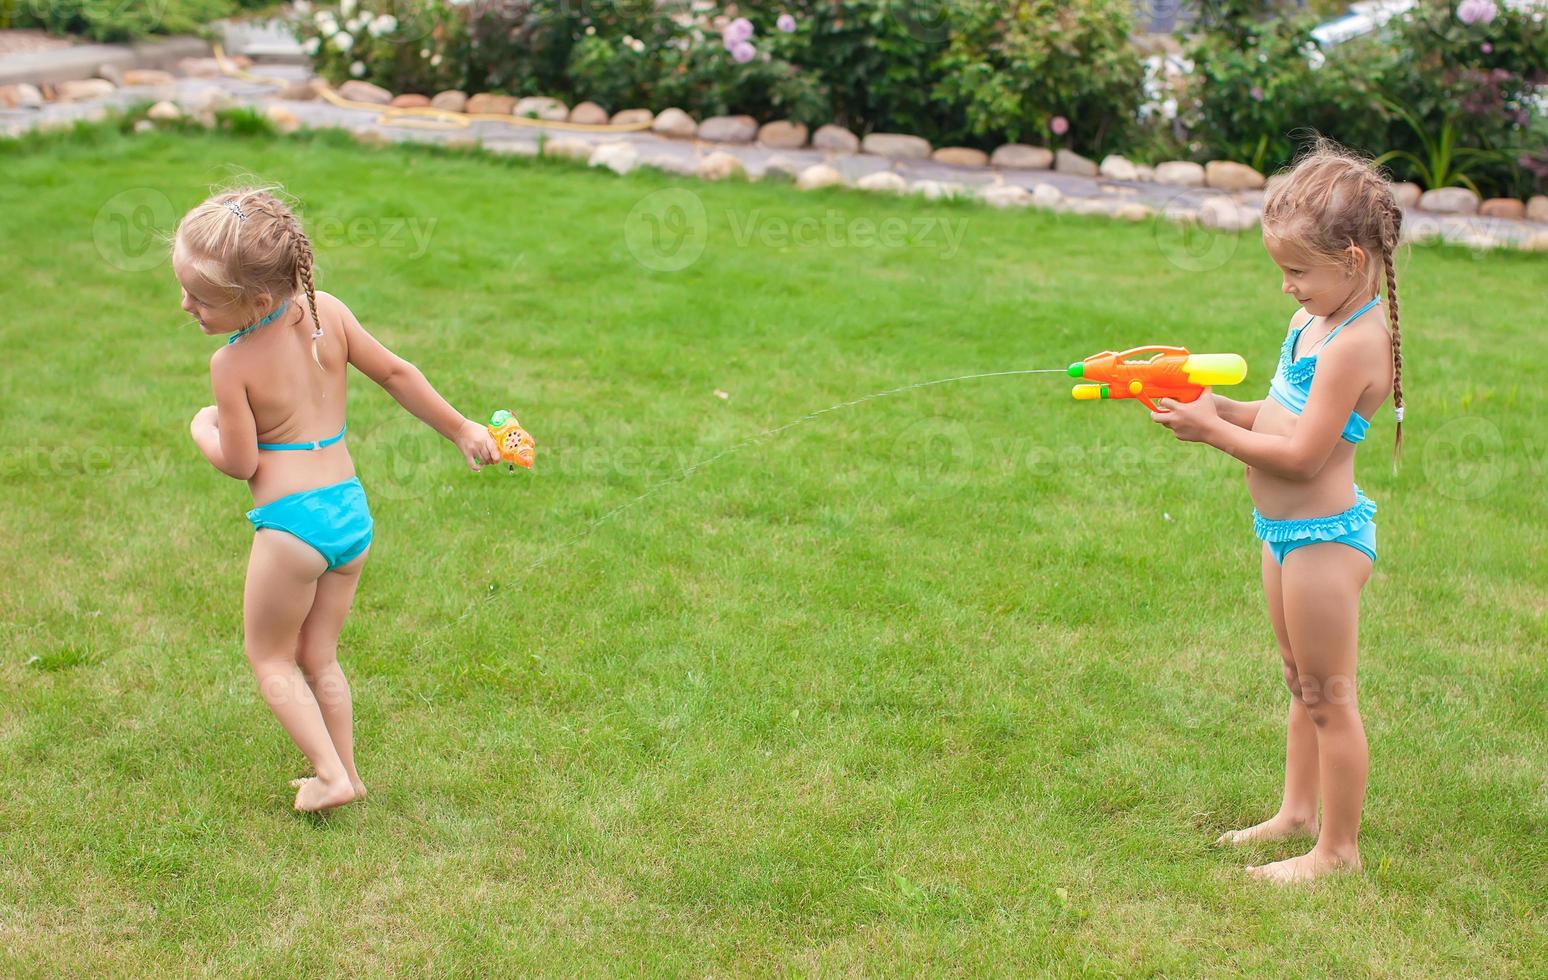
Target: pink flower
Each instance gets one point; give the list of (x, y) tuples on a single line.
[(742, 52), (1059, 125), (738, 31), (785, 23), (1476, 11), (1256, 93), (1486, 48)]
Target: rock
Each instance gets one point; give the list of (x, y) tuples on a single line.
[(82, 89), (1227, 175), (299, 91), (451, 100), (357, 91), (937, 190), (620, 158), (410, 101), (1115, 167), (1145, 172), (782, 134), (1503, 207), (567, 148), (781, 170), (1419, 228), (20, 96), (1020, 156), (675, 123), (143, 125), (884, 181), (835, 139), (1537, 243), (589, 114), (818, 175), (541, 107), (898, 146), (511, 147), (283, 119), (1449, 200), (1070, 162), (961, 156), (1180, 173), (633, 117), (1537, 208), (1134, 211), (1005, 196), (199, 67), (1405, 194), (111, 73), (728, 129), (148, 76), (720, 165), (687, 166), (1046, 196), (164, 112), (1224, 214), (488, 103)]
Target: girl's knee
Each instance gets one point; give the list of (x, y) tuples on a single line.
[(315, 657), (1329, 700), (1293, 680)]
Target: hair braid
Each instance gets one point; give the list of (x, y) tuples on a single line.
[(1390, 235)]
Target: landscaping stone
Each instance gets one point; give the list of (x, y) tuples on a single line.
[(83, 89), (633, 117), (1134, 211), (1144, 172), (884, 181), (673, 163), (1180, 173), (1405, 194), (961, 156), (781, 170), (567, 148), (1006, 196), (143, 126), (589, 114), (1070, 162), (898, 146), (1020, 156), (488, 103), (1537, 208), (1503, 207), (720, 165), (1046, 196), (206, 99), (147, 76), (283, 119), (541, 107), (1537, 243), (620, 158), (835, 139), (937, 190), (299, 91), (199, 67), (818, 175), (357, 91), (164, 112), (728, 129), (451, 100), (410, 101), (1227, 175), (20, 96), (1115, 167), (1449, 200), (782, 134), (1224, 214), (674, 123)]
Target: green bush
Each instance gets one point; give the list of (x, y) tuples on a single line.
[(117, 20)]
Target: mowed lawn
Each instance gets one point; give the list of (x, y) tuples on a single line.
[(964, 679)]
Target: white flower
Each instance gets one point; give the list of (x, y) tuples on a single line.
[(342, 41), (383, 25), (346, 7), (435, 60), (357, 69), (302, 7), (356, 23), (311, 44), (591, 29), (326, 25)]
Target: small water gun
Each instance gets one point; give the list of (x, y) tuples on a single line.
[(517, 446), (1169, 372)]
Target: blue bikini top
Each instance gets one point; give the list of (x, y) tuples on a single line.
[(281, 446), (1292, 382)]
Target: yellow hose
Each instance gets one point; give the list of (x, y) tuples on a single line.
[(426, 118)]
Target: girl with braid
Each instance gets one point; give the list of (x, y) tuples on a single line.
[(245, 267), (1331, 225)]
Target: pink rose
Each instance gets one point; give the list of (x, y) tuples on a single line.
[(742, 52), (1059, 125)]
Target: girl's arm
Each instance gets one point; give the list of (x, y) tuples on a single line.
[(1243, 414), (1302, 454), (408, 385), (226, 432)]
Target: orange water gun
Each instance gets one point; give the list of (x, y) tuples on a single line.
[(1168, 372), (517, 446)]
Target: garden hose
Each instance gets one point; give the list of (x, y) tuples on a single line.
[(424, 118)]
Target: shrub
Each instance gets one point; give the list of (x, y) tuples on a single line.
[(118, 20)]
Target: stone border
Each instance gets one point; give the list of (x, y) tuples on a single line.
[(87, 60)]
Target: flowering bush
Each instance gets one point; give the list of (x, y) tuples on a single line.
[(406, 47)]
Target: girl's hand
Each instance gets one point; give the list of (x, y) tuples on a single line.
[(205, 418), (476, 445), (1189, 421)]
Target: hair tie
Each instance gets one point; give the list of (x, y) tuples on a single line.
[(1398, 412), (235, 209)]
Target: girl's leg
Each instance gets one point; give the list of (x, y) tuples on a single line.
[(1322, 584), (282, 574), (317, 655), (1298, 808)]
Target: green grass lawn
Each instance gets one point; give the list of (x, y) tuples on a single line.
[(964, 679)]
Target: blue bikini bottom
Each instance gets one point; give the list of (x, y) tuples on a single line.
[(1355, 527), (333, 519)]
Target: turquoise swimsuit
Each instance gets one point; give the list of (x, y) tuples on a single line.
[(1355, 527), (335, 520)]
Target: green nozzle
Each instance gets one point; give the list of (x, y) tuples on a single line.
[(499, 418), (1078, 369)]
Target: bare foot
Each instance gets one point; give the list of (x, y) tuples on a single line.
[(313, 795), (354, 781), (1277, 827), (1306, 868)]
